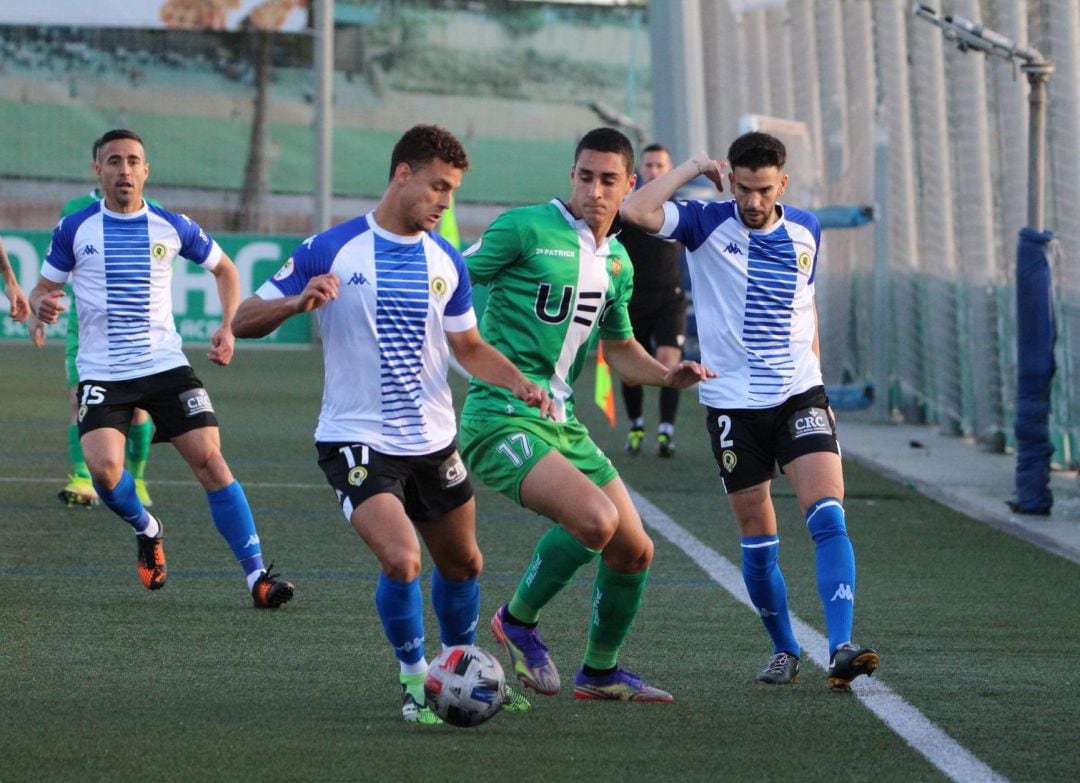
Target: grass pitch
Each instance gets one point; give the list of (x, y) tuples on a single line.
[(102, 680)]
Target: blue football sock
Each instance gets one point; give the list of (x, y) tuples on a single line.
[(123, 501), (835, 567), (232, 517), (767, 589), (401, 609), (457, 605)]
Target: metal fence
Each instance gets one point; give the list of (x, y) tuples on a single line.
[(922, 302)]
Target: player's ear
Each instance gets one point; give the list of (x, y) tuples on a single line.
[(783, 186), (402, 173), (631, 183)]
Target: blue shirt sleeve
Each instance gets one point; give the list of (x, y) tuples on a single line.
[(311, 258), (461, 300), (61, 251), (698, 219), (195, 244)]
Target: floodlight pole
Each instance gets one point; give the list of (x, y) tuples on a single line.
[(1035, 320), (971, 35), (1038, 73), (323, 70)]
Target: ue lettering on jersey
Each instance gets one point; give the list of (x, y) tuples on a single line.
[(384, 338), (552, 288)]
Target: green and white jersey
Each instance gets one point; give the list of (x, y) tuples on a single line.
[(551, 289)]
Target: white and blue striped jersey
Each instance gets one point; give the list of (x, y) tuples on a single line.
[(385, 353), (121, 268), (753, 295)]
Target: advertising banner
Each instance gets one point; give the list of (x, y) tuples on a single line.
[(280, 15), (196, 309)]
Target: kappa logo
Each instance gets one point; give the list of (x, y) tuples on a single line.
[(763, 612), (733, 249), (90, 250), (843, 593), (253, 540), (358, 279), (415, 644)]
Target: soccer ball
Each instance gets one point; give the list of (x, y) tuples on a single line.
[(464, 685)]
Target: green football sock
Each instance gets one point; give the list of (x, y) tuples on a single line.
[(616, 601), (138, 448), (75, 455), (557, 557), (414, 686)]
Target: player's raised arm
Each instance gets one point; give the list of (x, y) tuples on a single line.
[(257, 317), (645, 206)]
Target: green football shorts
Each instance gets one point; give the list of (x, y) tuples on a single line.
[(501, 452)]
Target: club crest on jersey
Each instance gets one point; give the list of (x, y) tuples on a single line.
[(286, 269), (804, 261), (439, 286), (82, 412), (357, 475), (616, 267), (159, 252), (728, 460)]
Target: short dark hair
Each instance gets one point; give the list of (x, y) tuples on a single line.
[(607, 140), (757, 150), (422, 143), (656, 147), (113, 135)]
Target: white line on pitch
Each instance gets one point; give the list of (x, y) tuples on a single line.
[(912, 726)]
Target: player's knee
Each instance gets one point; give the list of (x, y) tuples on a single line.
[(403, 566), (468, 566), (641, 558), (596, 527), (212, 471), (105, 471), (825, 519), (630, 557)]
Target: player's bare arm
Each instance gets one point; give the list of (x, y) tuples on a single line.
[(223, 342), (488, 364), (645, 206), (20, 306), (257, 317), (634, 364), (47, 300)]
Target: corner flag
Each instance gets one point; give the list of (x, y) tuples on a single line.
[(448, 227), (603, 393)]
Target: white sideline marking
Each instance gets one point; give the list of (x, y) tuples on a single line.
[(941, 750), (912, 726)]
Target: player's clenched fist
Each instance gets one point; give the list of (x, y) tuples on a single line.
[(319, 290)]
